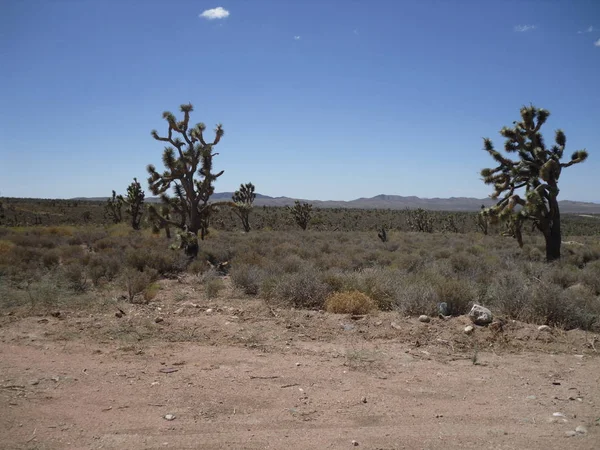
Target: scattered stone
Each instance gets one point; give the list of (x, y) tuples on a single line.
[(480, 315), (118, 315), (159, 320), (34, 382), (378, 323), (497, 326), (571, 433), (469, 329), (423, 318), (297, 364), (347, 326), (169, 416), (396, 326), (354, 443), (209, 310), (55, 379), (178, 311), (364, 399), (531, 397), (581, 429), (544, 328), (168, 370), (55, 314)]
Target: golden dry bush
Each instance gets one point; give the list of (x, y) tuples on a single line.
[(350, 302)]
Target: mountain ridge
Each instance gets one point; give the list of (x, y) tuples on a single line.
[(387, 201)]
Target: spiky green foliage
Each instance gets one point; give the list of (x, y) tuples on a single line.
[(189, 171), (134, 202), (482, 220), (243, 199), (537, 170), (301, 213), (420, 220), (114, 208)]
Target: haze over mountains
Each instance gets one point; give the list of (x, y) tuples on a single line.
[(383, 201)]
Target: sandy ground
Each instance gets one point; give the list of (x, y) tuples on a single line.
[(247, 376)]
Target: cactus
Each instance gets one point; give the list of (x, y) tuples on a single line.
[(382, 234), (189, 170), (243, 199), (537, 169), (301, 213), (135, 203), (420, 220), (113, 208)]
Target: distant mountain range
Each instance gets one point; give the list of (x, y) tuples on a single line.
[(392, 202)]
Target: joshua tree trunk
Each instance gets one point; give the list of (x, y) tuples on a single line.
[(552, 232)]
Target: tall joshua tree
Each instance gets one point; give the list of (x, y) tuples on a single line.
[(113, 208), (301, 213), (537, 169), (189, 170), (243, 199), (135, 203)]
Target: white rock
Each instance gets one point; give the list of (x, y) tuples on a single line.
[(170, 416), (469, 329), (544, 328), (480, 315), (354, 443), (209, 310), (423, 318), (571, 433), (581, 429)]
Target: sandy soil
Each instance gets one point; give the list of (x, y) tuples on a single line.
[(247, 376)]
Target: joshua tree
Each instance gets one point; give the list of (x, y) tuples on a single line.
[(243, 199), (135, 203), (482, 220), (382, 234), (537, 170), (420, 220), (187, 156), (113, 207), (301, 213)]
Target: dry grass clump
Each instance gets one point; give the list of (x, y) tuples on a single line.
[(350, 302)]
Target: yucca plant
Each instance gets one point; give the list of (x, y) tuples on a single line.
[(243, 199), (537, 171), (189, 170)]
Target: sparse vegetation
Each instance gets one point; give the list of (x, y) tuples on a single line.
[(301, 213)]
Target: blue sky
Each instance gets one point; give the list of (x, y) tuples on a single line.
[(320, 99)]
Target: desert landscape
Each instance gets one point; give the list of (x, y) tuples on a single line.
[(299, 225)]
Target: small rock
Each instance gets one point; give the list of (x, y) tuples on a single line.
[(55, 379), (571, 433), (159, 320), (34, 382), (170, 417), (354, 443), (396, 326), (118, 315), (423, 318), (531, 397), (469, 329), (581, 429), (297, 364), (55, 314), (178, 311), (209, 310), (480, 315), (443, 309), (544, 328), (364, 399)]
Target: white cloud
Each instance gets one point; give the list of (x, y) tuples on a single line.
[(523, 28), (588, 30), (215, 13), (597, 43), (296, 38)]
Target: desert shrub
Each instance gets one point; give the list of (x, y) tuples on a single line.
[(590, 276), (75, 277), (562, 274), (51, 258), (459, 294), (417, 296), (165, 262), (566, 308), (247, 278), (349, 302), (198, 267), (136, 282), (378, 283), (103, 266), (151, 291), (301, 289), (463, 262), (510, 293)]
